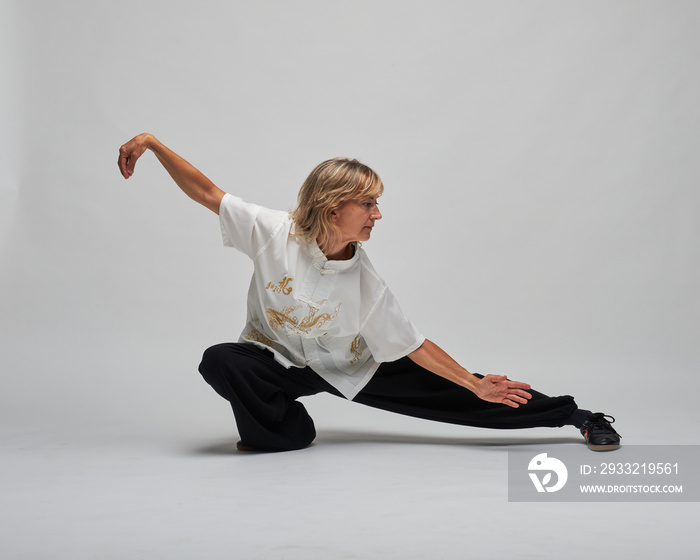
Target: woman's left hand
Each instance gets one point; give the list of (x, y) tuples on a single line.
[(492, 388), (500, 389)]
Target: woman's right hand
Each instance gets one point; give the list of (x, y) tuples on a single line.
[(130, 152), (192, 181)]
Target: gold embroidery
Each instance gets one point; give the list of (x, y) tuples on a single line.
[(355, 349), (256, 336), (313, 320), (282, 287)]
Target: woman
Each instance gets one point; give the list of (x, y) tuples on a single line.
[(320, 319)]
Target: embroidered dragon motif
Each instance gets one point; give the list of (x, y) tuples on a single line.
[(355, 349), (256, 336), (313, 320)]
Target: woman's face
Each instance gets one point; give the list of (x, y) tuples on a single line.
[(356, 218)]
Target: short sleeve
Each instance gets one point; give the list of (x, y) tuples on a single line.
[(248, 227), (388, 333)]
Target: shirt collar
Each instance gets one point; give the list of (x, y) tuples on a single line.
[(326, 264)]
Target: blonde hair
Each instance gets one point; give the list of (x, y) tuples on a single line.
[(327, 187)]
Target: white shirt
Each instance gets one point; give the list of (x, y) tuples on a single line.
[(337, 317)]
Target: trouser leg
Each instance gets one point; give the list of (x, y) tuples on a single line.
[(406, 388), (263, 395)]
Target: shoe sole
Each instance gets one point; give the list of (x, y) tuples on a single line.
[(604, 447)]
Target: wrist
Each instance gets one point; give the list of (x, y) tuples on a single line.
[(149, 141), (470, 381)]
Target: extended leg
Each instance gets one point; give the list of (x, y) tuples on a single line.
[(406, 388)]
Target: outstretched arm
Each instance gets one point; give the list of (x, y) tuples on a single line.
[(492, 388), (192, 181)]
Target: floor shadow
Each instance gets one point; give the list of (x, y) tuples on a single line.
[(495, 440), (349, 437), (227, 447)]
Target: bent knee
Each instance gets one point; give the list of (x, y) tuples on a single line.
[(213, 358)]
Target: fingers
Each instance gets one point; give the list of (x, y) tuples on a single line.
[(518, 385), (517, 396), (517, 399), (514, 386), (521, 394), (504, 379), (123, 162), (511, 403), (129, 153), (127, 160), (500, 389), (514, 401)]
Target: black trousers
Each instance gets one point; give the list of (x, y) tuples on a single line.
[(263, 395)]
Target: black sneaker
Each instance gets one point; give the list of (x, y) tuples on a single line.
[(599, 434)]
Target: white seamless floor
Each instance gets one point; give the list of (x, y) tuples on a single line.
[(407, 490)]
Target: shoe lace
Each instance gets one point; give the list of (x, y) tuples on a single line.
[(598, 420)]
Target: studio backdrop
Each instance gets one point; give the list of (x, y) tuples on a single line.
[(541, 208)]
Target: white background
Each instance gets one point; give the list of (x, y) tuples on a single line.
[(540, 220)]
